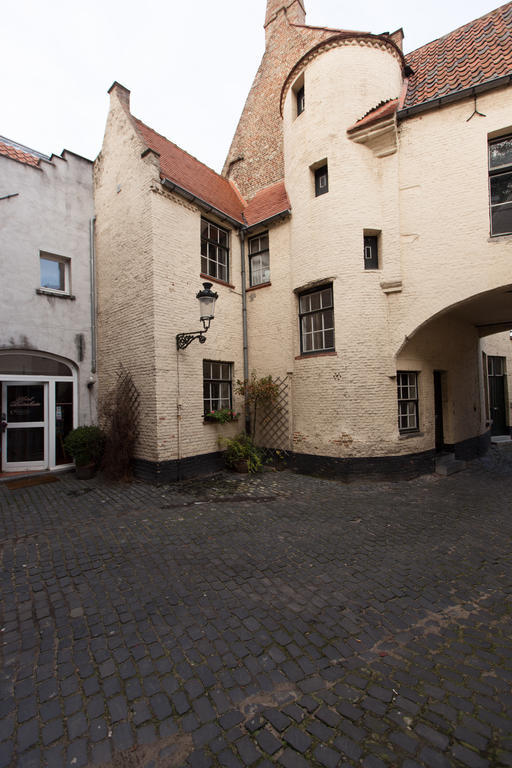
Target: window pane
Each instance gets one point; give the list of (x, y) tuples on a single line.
[(500, 153), (25, 403), (501, 219), (25, 444), (314, 301), (204, 228), (52, 274), (304, 304), (501, 188), (28, 364), (329, 339), (328, 318)]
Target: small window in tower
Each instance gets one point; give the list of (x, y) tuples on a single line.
[(371, 251), (301, 101), (321, 180)]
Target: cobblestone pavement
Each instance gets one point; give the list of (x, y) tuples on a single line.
[(276, 620)]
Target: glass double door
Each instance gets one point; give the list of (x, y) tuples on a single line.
[(24, 426)]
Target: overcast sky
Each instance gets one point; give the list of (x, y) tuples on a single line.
[(189, 65)]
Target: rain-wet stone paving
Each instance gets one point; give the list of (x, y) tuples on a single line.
[(271, 620)]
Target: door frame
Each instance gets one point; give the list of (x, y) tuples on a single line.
[(439, 386), (50, 425), (19, 466)]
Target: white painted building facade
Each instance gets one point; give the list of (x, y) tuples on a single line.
[(47, 360)]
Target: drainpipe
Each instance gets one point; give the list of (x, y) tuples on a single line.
[(241, 235), (92, 264)]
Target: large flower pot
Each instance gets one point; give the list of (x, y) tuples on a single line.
[(86, 471), (241, 465)]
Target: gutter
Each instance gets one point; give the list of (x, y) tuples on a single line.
[(92, 266), (270, 220), (449, 98), (241, 235)]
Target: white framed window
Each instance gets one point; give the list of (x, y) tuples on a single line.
[(316, 315), (217, 385), (55, 273), (259, 259), (214, 251), (407, 391), (500, 185)]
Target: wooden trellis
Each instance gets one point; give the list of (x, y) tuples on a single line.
[(273, 424)]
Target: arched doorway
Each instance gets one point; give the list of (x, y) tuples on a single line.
[(39, 408)]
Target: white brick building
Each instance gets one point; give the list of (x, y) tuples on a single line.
[(361, 235)]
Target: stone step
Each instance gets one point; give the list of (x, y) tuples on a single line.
[(500, 439), (447, 464)]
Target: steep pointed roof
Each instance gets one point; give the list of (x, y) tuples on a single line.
[(476, 53), (192, 175)]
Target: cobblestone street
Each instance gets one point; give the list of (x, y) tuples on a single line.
[(271, 620)]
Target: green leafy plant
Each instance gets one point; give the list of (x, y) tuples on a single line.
[(241, 449), (222, 416), (258, 393), (85, 445)]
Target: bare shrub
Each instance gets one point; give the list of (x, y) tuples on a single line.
[(119, 416)]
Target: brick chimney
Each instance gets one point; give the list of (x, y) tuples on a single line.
[(278, 10)]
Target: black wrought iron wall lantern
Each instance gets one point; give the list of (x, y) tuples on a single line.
[(207, 299)]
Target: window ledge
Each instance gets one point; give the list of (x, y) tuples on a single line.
[(504, 236), (215, 280), (255, 287), (309, 355), (55, 294), (410, 435)]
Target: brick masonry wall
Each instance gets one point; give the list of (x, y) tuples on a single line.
[(255, 158), (124, 262)]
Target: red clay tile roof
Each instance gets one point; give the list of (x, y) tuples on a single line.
[(475, 53), (16, 154), (387, 109), (188, 172), (266, 203)]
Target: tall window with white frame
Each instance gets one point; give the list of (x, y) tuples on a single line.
[(316, 316), (217, 385), (214, 251), (407, 390), (500, 185), (259, 259)]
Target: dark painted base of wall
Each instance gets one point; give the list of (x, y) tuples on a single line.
[(472, 448), (172, 471), (377, 468)]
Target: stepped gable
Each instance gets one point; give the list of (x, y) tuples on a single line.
[(8, 150), (267, 203), (195, 177), (478, 52)]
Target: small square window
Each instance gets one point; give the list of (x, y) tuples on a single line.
[(259, 259), (54, 272), (371, 251), (217, 385), (321, 180)]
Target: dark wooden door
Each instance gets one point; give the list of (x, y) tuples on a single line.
[(438, 410), (497, 398)]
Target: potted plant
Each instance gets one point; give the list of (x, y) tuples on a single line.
[(241, 454), (85, 445), (221, 416)]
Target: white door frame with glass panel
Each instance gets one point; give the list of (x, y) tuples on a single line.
[(38, 410)]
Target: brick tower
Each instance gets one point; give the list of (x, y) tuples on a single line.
[(255, 158)]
